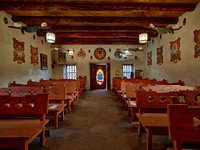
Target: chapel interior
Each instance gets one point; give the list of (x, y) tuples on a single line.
[(101, 44)]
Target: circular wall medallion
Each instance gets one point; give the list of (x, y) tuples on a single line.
[(100, 53), (81, 53), (118, 53)]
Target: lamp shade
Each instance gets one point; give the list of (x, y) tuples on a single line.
[(50, 37), (143, 37)]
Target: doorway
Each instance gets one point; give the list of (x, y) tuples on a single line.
[(99, 76)]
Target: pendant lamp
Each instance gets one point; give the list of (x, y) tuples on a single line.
[(50, 37), (143, 37)]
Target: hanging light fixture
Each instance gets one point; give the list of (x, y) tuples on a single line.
[(50, 37), (143, 37)]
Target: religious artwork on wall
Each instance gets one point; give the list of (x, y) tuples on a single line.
[(34, 55), (100, 76), (175, 55), (43, 61), (18, 53), (160, 55), (61, 58), (197, 43), (149, 58), (99, 53), (118, 53), (81, 53)]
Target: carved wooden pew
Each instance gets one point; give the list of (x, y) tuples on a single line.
[(184, 124), (22, 119), (72, 94), (55, 95), (116, 81), (83, 83), (130, 100), (57, 98), (152, 102)]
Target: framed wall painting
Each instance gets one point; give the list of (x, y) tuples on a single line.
[(34, 55), (149, 58), (175, 55), (159, 55), (197, 43), (18, 53), (43, 61), (62, 58)]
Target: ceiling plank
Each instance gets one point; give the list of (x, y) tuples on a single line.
[(95, 21), (103, 7)]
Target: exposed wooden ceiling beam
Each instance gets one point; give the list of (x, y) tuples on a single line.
[(97, 21), (69, 41), (97, 7)]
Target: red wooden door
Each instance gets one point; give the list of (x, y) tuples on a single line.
[(98, 80)]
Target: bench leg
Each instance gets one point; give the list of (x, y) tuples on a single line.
[(63, 114), (177, 145), (43, 137), (24, 145), (56, 116), (149, 139), (69, 106), (140, 128)]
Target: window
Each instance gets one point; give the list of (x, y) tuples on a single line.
[(127, 71), (70, 72)]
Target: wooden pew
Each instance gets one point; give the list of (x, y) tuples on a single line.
[(57, 101), (130, 101), (183, 124), (152, 102), (55, 95), (22, 119)]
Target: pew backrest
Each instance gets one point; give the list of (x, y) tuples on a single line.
[(20, 90), (191, 98), (149, 101), (25, 106)]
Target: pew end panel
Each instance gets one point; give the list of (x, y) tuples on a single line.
[(184, 124)]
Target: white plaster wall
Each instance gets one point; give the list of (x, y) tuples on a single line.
[(83, 64), (12, 71), (187, 69)]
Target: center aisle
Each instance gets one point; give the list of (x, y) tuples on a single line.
[(98, 122)]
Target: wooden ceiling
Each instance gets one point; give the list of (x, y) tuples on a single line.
[(97, 21)]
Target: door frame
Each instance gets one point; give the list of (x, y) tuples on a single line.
[(107, 74)]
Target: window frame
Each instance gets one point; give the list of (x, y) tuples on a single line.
[(69, 73), (127, 73)]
